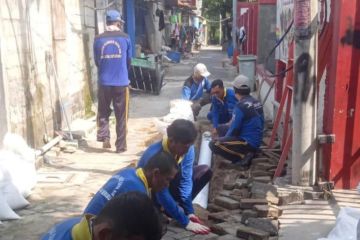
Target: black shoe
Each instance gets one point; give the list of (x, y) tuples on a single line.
[(246, 161)]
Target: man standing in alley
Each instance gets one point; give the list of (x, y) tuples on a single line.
[(194, 87), (241, 139), (112, 53)]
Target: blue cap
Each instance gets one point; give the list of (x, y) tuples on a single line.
[(113, 16)]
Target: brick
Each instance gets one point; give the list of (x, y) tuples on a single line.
[(212, 207), (229, 186), (246, 214), (268, 211), (264, 166), (227, 203), (228, 228), (265, 224), (227, 237), (243, 193), (260, 160), (263, 190), (261, 173), (224, 216), (286, 198), (225, 193), (210, 236), (264, 179), (251, 233), (249, 203), (183, 234), (241, 183)]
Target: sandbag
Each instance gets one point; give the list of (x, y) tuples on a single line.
[(346, 225), (6, 213), (179, 109)]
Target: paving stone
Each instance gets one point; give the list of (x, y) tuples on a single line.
[(225, 193), (263, 190), (264, 224), (273, 200), (227, 228), (260, 160), (229, 186), (292, 197), (227, 237), (261, 173), (212, 207), (240, 193), (175, 229), (183, 234), (264, 166), (312, 195), (251, 233), (249, 203), (241, 183), (227, 203), (246, 214), (263, 179), (268, 211), (210, 236), (226, 216)]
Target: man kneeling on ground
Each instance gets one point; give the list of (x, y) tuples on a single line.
[(188, 182), (129, 216), (239, 141), (223, 101), (154, 176)]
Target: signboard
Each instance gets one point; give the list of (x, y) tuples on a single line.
[(285, 14)]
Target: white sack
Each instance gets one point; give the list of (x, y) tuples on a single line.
[(346, 225)]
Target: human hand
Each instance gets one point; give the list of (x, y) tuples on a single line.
[(194, 218), (214, 133), (197, 228)]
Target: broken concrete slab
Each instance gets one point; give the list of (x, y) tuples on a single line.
[(263, 190), (293, 197), (227, 203), (265, 224), (251, 233)]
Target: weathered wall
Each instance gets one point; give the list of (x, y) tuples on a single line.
[(30, 31)]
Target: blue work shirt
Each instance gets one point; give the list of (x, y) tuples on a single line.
[(112, 51), (193, 91), (247, 122), (77, 228), (221, 110), (185, 188), (124, 181)]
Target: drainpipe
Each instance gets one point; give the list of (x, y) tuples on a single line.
[(305, 93)]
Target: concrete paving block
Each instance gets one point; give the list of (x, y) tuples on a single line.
[(259, 160), (241, 183), (292, 197), (261, 173), (246, 214), (229, 186), (251, 233), (268, 211), (227, 203), (249, 203), (263, 179), (213, 208), (264, 224), (238, 194), (183, 234), (225, 216), (210, 236), (225, 193), (227, 237), (228, 228), (175, 229), (262, 190)]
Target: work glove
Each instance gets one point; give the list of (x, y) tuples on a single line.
[(192, 217), (197, 228)]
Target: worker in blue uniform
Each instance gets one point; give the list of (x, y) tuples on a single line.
[(194, 87), (154, 176), (240, 140), (222, 104), (189, 180), (131, 215), (112, 54)]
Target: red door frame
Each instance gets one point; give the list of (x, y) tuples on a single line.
[(342, 106), (250, 21)]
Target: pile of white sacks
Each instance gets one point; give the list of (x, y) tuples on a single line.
[(17, 175), (179, 109)]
